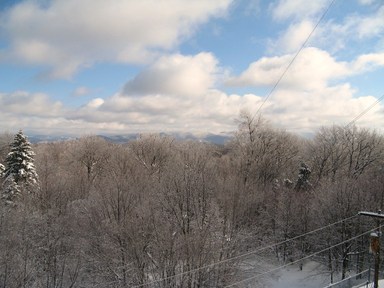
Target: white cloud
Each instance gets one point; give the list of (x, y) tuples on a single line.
[(294, 110), (308, 97), (313, 69), (95, 103), (176, 75), (351, 32), (368, 62), (293, 37), (81, 91), (314, 91), (353, 28), (298, 111), (214, 111), (370, 26), (69, 34), (176, 93), (29, 104), (366, 2), (301, 111), (297, 9), (305, 99)]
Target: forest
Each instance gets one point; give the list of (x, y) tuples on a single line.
[(162, 212)]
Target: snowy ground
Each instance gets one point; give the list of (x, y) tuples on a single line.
[(381, 285), (312, 275)]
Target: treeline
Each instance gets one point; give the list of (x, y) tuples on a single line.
[(125, 215)]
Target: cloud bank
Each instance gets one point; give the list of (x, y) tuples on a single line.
[(66, 37), (173, 91), (186, 97)]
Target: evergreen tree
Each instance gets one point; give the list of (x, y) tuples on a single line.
[(303, 179), (2, 168), (11, 191), (20, 172)]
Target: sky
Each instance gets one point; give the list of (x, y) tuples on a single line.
[(80, 67)]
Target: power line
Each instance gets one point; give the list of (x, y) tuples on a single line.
[(245, 254), (294, 58), (299, 260), (365, 111)]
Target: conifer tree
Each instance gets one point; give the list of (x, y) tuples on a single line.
[(303, 180), (2, 168), (20, 172)]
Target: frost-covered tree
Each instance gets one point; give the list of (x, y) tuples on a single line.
[(11, 191), (303, 179), (2, 168), (20, 172)]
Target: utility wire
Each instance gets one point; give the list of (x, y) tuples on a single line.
[(365, 111), (294, 58), (245, 254), (299, 260), (344, 129)]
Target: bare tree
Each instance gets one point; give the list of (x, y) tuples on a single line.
[(339, 151), (266, 153), (152, 152), (88, 157)]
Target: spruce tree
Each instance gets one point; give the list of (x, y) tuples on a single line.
[(303, 183), (20, 172), (2, 168)]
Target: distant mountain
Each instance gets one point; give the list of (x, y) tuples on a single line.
[(209, 138), (217, 139), (48, 138), (119, 138)]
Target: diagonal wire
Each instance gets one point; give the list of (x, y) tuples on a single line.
[(294, 58), (365, 111), (299, 260), (245, 254)]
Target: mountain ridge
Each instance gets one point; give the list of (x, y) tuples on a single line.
[(219, 139)]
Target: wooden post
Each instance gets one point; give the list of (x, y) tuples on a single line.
[(375, 244), (375, 248)]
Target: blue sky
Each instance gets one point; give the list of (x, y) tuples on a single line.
[(78, 67)]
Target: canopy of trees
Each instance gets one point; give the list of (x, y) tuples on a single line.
[(150, 211)]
